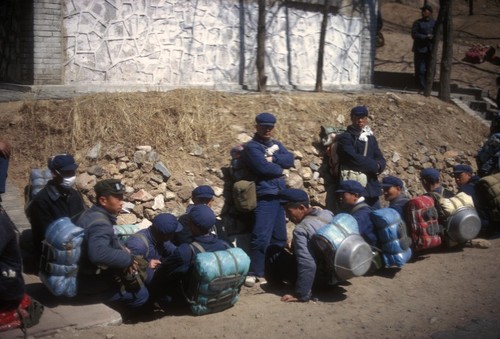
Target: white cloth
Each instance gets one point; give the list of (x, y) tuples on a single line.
[(365, 133)]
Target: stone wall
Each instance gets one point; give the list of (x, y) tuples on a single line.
[(210, 43)]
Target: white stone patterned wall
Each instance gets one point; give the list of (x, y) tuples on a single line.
[(210, 43)]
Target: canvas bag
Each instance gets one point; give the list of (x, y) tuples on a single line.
[(422, 221), (487, 191), (450, 205), (244, 195)]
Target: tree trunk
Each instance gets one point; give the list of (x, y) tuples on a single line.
[(261, 47), (446, 58), (321, 50), (471, 7), (435, 44)]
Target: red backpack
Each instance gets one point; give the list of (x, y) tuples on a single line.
[(422, 221)]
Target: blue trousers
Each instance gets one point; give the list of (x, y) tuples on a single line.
[(269, 228), (129, 299), (422, 64), (4, 166)]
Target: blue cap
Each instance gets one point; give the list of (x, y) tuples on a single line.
[(351, 186), (203, 192), (391, 181), (265, 119), (457, 169), (429, 173), (62, 162), (359, 111), (202, 216), (293, 195), (166, 223)]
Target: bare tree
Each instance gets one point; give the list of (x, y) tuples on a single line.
[(447, 56), (429, 80), (261, 47), (321, 49)]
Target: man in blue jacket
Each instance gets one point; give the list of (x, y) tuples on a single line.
[(393, 192), (358, 151), (297, 263), (201, 195), (422, 33), (352, 201), (167, 281), (103, 257), (266, 159), (154, 243)]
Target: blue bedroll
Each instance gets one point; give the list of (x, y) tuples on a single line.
[(218, 277), (391, 233), (60, 255), (123, 232), (338, 229)]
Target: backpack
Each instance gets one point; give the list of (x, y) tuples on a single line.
[(488, 156), (244, 192), (392, 235), (487, 191), (61, 251), (215, 279), (328, 136), (327, 242), (26, 315), (38, 179), (422, 221), (123, 232), (479, 53)]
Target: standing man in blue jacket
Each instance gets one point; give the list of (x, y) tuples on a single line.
[(422, 33), (266, 159), (298, 264), (358, 151), (103, 256)]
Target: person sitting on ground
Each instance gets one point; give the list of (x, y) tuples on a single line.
[(103, 257), (351, 200), (201, 195), (430, 178), (297, 264), (393, 192), (358, 151), (57, 199), (154, 243), (166, 286)]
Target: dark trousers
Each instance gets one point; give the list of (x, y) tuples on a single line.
[(269, 229), (422, 65), (4, 166), (281, 266)]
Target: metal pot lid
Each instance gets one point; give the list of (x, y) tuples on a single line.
[(464, 224), (353, 257)]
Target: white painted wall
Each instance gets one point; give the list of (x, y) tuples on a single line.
[(210, 43)]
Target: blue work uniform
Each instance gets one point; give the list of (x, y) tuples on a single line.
[(366, 228), (422, 49), (399, 205)]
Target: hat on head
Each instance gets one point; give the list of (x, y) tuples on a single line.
[(391, 181), (166, 223), (265, 119), (62, 162), (351, 186), (203, 192), (293, 195), (426, 7), (359, 111), (429, 173), (202, 216), (109, 187), (457, 169)]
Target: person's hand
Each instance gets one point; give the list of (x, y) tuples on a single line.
[(269, 159), (288, 298), (5, 149), (154, 263), (430, 36)]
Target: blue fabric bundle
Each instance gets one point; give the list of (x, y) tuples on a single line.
[(391, 232), (61, 253), (338, 229), (217, 280)]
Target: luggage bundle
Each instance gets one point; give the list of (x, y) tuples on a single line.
[(346, 254), (391, 233), (60, 255), (216, 279), (26, 315), (423, 225), (488, 194)]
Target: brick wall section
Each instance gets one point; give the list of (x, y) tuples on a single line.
[(47, 42)]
